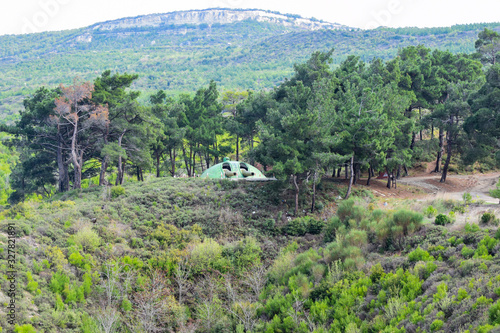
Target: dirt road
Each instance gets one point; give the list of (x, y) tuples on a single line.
[(477, 185)]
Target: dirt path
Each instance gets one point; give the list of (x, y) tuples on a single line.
[(456, 185)]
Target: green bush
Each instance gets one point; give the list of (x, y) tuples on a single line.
[(467, 197), (244, 253), (488, 218), (436, 325), (32, 284), (24, 329), (494, 313), (206, 255), (408, 220), (430, 211), (116, 191), (376, 272), (496, 192), (331, 229), (302, 225), (58, 282), (348, 210), (467, 252), (87, 238), (420, 255), (315, 226), (296, 227), (471, 228), (442, 219)]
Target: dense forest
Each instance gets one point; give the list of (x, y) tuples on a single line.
[(108, 239)]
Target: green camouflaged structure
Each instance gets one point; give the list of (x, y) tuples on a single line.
[(233, 170)]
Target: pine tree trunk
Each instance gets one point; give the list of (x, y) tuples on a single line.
[(63, 181), (389, 178), (369, 176), (186, 163), (296, 195), (102, 172), (339, 172), (355, 175), (440, 151), (77, 182), (237, 147), (172, 161), (350, 178), (449, 150), (420, 116), (314, 191), (157, 165), (104, 164), (119, 177)]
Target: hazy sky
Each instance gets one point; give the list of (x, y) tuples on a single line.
[(21, 16)]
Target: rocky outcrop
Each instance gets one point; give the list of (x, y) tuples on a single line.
[(219, 16)]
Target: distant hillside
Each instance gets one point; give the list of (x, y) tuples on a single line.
[(180, 51)]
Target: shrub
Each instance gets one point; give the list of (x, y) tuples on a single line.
[(87, 238), (244, 253), (116, 191), (205, 255), (494, 313), (442, 219), (467, 252), (331, 229), (58, 282), (315, 226), (467, 198), (462, 294), (420, 255), (376, 272), (27, 328), (348, 210), (436, 325), (488, 218), (496, 192), (126, 305), (32, 284), (136, 243), (471, 228), (296, 227), (430, 211), (408, 220)]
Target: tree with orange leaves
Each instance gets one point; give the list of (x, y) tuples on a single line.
[(74, 109)]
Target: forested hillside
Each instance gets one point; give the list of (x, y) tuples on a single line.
[(104, 226), (247, 54)]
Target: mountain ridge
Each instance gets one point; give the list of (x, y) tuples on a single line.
[(216, 16), (245, 54)]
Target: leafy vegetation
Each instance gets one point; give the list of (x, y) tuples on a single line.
[(179, 58), (157, 252)]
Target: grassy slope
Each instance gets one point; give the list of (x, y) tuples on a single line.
[(159, 221)]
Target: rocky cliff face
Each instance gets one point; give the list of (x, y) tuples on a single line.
[(213, 16)]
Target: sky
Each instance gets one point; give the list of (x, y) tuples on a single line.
[(28, 16)]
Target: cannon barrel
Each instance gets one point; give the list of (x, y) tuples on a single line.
[(229, 174), (247, 173)]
